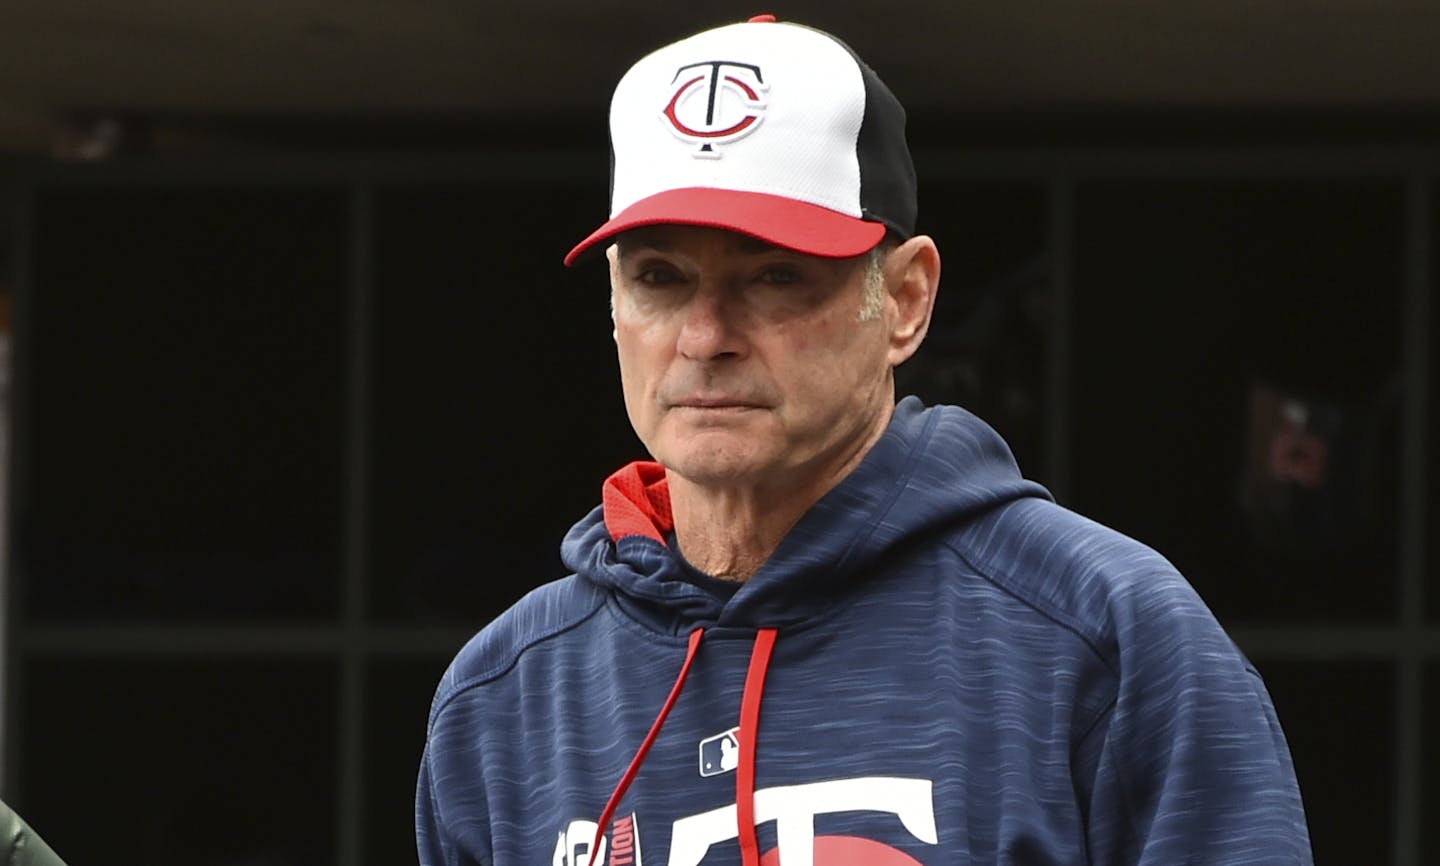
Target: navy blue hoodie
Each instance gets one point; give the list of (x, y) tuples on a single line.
[(937, 666)]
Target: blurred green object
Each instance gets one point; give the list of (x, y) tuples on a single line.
[(20, 845)]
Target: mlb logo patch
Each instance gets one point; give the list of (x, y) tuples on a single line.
[(720, 754)]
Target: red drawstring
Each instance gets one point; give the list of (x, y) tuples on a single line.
[(639, 759), (749, 737)]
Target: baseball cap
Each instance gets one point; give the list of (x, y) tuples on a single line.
[(772, 129)]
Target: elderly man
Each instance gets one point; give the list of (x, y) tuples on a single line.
[(820, 627)]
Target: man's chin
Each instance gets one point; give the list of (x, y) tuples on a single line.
[(716, 468)]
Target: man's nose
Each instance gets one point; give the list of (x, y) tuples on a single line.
[(710, 329)]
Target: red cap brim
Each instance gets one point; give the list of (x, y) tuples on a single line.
[(784, 222)]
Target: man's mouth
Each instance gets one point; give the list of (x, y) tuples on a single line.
[(714, 403)]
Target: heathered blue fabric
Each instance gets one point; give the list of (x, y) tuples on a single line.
[(1050, 690)]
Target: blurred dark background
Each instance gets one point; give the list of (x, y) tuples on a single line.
[(299, 395)]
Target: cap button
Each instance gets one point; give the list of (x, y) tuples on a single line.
[(766, 18)]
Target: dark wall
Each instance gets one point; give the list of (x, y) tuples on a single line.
[(287, 430)]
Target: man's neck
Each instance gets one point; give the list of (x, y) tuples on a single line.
[(729, 533)]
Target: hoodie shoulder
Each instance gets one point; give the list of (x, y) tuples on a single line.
[(545, 612), (1093, 580)]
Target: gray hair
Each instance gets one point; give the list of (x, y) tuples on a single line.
[(873, 301)]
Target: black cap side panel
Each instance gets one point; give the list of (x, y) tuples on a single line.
[(887, 173)]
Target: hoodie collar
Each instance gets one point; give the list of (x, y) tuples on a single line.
[(933, 467)]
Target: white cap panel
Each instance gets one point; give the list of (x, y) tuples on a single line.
[(757, 107)]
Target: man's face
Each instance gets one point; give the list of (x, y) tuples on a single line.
[(745, 364)]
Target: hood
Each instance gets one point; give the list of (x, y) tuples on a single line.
[(934, 468)]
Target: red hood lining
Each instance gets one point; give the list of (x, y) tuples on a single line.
[(636, 500)]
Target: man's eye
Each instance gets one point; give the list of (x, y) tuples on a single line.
[(782, 275), (658, 277)]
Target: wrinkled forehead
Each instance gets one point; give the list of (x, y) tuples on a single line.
[(722, 254), (673, 237)]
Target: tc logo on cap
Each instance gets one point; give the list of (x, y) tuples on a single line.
[(717, 101)]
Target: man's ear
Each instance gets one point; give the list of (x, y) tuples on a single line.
[(612, 255), (912, 278)]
